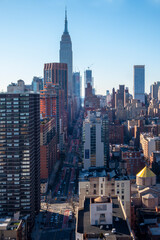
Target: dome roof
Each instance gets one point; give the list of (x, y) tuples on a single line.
[(145, 172)]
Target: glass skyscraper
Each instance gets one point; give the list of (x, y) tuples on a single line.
[(139, 83)]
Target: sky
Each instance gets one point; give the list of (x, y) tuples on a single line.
[(108, 36)]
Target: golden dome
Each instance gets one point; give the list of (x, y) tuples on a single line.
[(145, 172)]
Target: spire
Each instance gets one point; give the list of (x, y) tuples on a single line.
[(66, 22)]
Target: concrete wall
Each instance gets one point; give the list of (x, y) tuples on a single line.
[(124, 194), (95, 213), (87, 144), (99, 147), (149, 202)]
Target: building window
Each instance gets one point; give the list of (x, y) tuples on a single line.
[(122, 184), (122, 197), (117, 184), (94, 185), (94, 192), (101, 185), (101, 207), (122, 191), (117, 191), (101, 192)]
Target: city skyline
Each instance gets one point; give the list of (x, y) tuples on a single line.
[(124, 32)]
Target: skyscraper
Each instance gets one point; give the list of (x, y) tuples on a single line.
[(65, 54), (37, 84), (154, 90), (76, 92), (139, 83), (88, 78), (19, 154), (56, 73), (119, 96), (77, 84)]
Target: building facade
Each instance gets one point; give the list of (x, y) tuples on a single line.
[(139, 83), (19, 154), (88, 78), (105, 184), (95, 140), (37, 84), (48, 147), (65, 54), (56, 73)]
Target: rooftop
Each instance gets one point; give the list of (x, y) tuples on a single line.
[(85, 175), (119, 222), (102, 199)]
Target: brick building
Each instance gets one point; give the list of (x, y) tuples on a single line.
[(48, 147), (91, 101), (116, 133), (134, 160)]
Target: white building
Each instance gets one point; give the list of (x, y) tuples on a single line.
[(101, 211), (102, 183), (93, 145)]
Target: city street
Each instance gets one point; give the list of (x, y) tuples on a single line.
[(57, 217)]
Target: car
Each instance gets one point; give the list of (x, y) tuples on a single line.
[(106, 234), (59, 192), (113, 230)]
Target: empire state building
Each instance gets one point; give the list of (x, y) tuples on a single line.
[(65, 54)]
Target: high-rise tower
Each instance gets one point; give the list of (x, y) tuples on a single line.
[(139, 83), (65, 54), (20, 154)]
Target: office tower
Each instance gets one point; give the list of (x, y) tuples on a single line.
[(77, 89), (95, 140), (91, 101), (65, 54), (113, 98), (126, 96), (77, 84), (52, 104), (56, 73), (139, 83), (37, 84), (19, 154), (154, 90), (119, 96), (88, 78)]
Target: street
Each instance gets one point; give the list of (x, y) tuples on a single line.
[(57, 217)]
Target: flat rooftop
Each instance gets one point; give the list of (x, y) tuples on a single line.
[(84, 226), (85, 175)]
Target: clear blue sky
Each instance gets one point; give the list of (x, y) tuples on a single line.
[(113, 35)]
